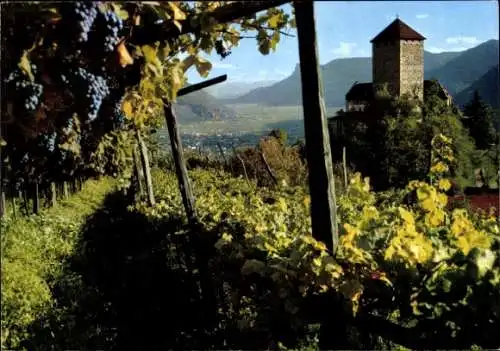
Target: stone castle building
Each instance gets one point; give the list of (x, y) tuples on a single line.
[(397, 64)]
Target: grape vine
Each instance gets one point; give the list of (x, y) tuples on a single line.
[(79, 18), (89, 89)]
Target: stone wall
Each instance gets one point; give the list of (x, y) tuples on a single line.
[(386, 66), (411, 67)]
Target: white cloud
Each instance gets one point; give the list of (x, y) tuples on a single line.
[(223, 65), (462, 40), (422, 16), (344, 49), (437, 50)]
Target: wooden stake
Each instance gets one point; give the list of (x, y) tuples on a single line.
[(180, 164), (268, 167), (2, 202), (53, 194), (36, 199), (344, 165), (146, 169), (138, 173), (321, 181), (65, 190)]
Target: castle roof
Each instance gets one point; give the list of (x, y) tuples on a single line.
[(397, 30), (360, 92)]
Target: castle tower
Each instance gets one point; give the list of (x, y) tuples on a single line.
[(398, 60)]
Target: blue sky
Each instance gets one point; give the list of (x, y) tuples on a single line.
[(345, 29)]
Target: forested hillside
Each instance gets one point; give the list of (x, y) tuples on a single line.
[(487, 86)]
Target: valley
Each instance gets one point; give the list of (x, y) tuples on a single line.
[(206, 120)]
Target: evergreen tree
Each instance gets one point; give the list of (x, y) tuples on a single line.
[(478, 120)]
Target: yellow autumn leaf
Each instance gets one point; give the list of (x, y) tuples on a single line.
[(127, 108), (406, 216), (151, 56), (202, 66), (179, 15), (25, 65), (188, 62), (274, 20), (123, 55)]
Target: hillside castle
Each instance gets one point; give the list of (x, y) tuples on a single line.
[(397, 63)]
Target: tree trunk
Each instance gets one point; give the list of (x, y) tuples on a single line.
[(180, 164), (36, 199), (146, 169), (319, 160)]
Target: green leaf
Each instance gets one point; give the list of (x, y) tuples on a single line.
[(152, 60), (120, 11), (265, 46), (203, 66)]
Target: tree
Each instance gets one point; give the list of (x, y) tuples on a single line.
[(478, 120), (390, 141)]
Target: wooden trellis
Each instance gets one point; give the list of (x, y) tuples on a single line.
[(321, 181), (177, 150)]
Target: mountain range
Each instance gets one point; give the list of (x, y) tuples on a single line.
[(457, 71), (460, 72)]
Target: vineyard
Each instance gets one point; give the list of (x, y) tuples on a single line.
[(133, 249)]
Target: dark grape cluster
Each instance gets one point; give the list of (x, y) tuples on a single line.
[(27, 93), (109, 25), (221, 49), (83, 14), (118, 116), (92, 89), (49, 141), (69, 124)]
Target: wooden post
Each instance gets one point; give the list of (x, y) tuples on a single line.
[(180, 164), (138, 173), (321, 181), (243, 165), (222, 154), (53, 194), (14, 209), (198, 86), (36, 199), (268, 167), (344, 166), (65, 190), (146, 169), (2, 202)]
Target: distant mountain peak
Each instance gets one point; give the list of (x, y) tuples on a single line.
[(455, 70)]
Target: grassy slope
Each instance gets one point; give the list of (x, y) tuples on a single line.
[(33, 251)]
